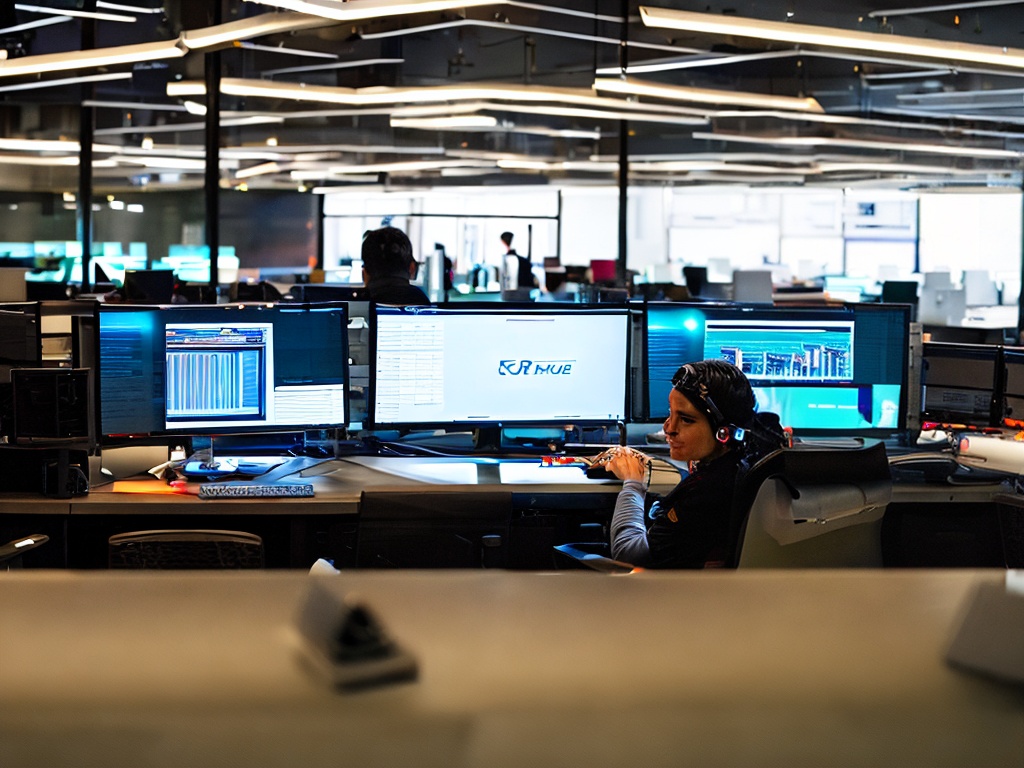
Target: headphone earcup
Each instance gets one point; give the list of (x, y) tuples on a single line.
[(723, 434)]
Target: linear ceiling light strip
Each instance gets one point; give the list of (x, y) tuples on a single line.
[(829, 37)]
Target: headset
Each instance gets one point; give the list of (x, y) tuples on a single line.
[(688, 382)]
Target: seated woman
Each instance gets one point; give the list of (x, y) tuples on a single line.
[(712, 425)]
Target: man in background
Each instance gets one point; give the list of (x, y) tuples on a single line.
[(389, 268)]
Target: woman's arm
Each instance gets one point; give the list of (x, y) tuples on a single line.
[(629, 533)]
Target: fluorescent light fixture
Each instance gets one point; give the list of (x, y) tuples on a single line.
[(232, 122), (527, 165), (50, 145), (371, 9), (37, 84), (331, 66), (256, 26), (128, 8), (631, 87), (887, 146), (288, 51), (62, 160), (34, 24), (807, 34), (194, 107), (129, 105), (590, 106), (96, 57), (69, 12), (135, 208), (443, 123), (258, 170)]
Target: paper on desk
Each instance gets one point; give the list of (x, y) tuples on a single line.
[(145, 486)]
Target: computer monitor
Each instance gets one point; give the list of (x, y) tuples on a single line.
[(960, 383), (825, 371), (21, 343), (493, 365), (223, 369), (149, 286), (1012, 390)]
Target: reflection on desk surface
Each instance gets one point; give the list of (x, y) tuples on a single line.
[(480, 470)]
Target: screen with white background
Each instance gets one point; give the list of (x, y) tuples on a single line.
[(439, 366)]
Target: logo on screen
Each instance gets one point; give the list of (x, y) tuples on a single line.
[(535, 367)]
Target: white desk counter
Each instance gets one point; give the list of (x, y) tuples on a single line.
[(571, 669)]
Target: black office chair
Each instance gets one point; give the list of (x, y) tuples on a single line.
[(11, 552), (801, 507), (185, 550)]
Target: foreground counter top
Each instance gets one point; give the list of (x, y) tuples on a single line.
[(723, 668)]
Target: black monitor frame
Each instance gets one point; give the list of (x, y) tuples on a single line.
[(972, 372), (517, 310), (163, 315), (658, 411)]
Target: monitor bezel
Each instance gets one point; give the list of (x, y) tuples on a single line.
[(497, 308), (652, 415), (988, 353), (105, 437)]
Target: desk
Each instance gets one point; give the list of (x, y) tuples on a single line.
[(298, 531), (788, 668)]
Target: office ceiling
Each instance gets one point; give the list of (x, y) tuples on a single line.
[(525, 111)]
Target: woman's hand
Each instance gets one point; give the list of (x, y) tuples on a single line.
[(625, 463)]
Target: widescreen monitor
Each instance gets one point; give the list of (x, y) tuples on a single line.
[(220, 369), (960, 383), (829, 371), (1012, 389), (494, 365)]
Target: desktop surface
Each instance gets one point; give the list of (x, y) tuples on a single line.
[(514, 669)]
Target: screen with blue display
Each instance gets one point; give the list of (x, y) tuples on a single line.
[(838, 371), (224, 369), (498, 364)]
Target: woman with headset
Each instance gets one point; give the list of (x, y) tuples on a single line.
[(713, 426)]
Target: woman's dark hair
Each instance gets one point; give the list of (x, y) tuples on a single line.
[(721, 391), (718, 389), (386, 252)]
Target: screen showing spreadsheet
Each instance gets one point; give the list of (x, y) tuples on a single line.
[(232, 368), (499, 364)]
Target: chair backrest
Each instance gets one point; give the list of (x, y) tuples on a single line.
[(813, 507), (185, 549)]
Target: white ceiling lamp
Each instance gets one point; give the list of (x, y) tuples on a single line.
[(383, 95), (96, 57), (633, 87), (129, 8), (256, 26), (45, 22), (451, 122), (37, 84), (78, 14), (50, 145), (538, 100), (370, 9), (829, 37), (885, 146)]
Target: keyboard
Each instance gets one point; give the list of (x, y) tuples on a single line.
[(255, 491)]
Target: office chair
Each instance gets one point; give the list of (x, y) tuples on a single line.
[(11, 552), (185, 549), (801, 507), (814, 508)]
